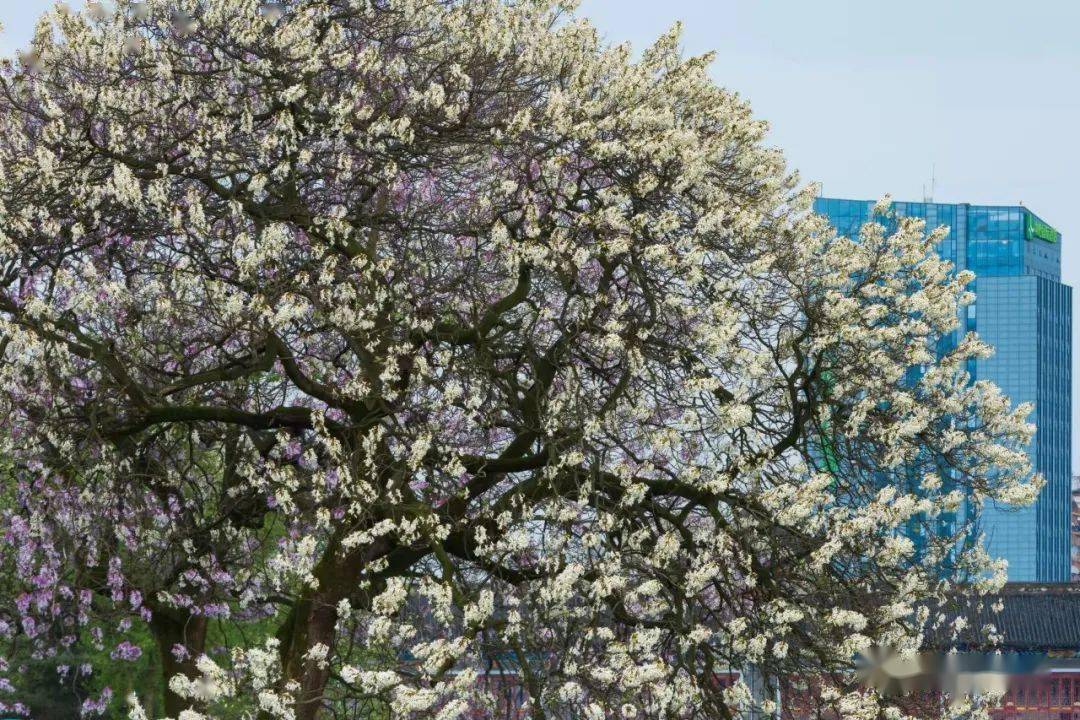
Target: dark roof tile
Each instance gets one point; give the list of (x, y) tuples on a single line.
[(1034, 616)]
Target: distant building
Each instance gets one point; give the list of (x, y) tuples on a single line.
[(1032, 657), (1025, 312), (1039, 625)]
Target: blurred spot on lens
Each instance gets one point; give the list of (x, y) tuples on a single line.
[(133, 45), (30, 60), (96, 10), (272, 11), (182, 22)]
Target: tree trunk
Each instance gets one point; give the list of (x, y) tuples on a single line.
[(312, 621), (173, 628)]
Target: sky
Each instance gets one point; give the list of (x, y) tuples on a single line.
[(868, 97)]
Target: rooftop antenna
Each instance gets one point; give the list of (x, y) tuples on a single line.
[(929, 197)]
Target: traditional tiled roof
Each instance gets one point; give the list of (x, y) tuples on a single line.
[(1033, 617)]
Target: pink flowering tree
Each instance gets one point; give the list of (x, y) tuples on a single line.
[(389, 342)]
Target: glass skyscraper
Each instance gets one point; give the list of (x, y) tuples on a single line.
[(1025, 312)]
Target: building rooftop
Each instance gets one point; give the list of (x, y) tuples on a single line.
[(989, 240), (931, 204), (1033, 617)]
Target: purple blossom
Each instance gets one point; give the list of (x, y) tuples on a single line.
[(126, 651)]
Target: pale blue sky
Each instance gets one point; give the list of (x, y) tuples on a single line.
[(866, 96)]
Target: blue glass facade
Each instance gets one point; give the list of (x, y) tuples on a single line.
[(1025, 312)]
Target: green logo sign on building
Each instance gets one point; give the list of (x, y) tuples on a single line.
[(1036, 228)]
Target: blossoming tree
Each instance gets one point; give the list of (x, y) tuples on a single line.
[(383, 340)]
